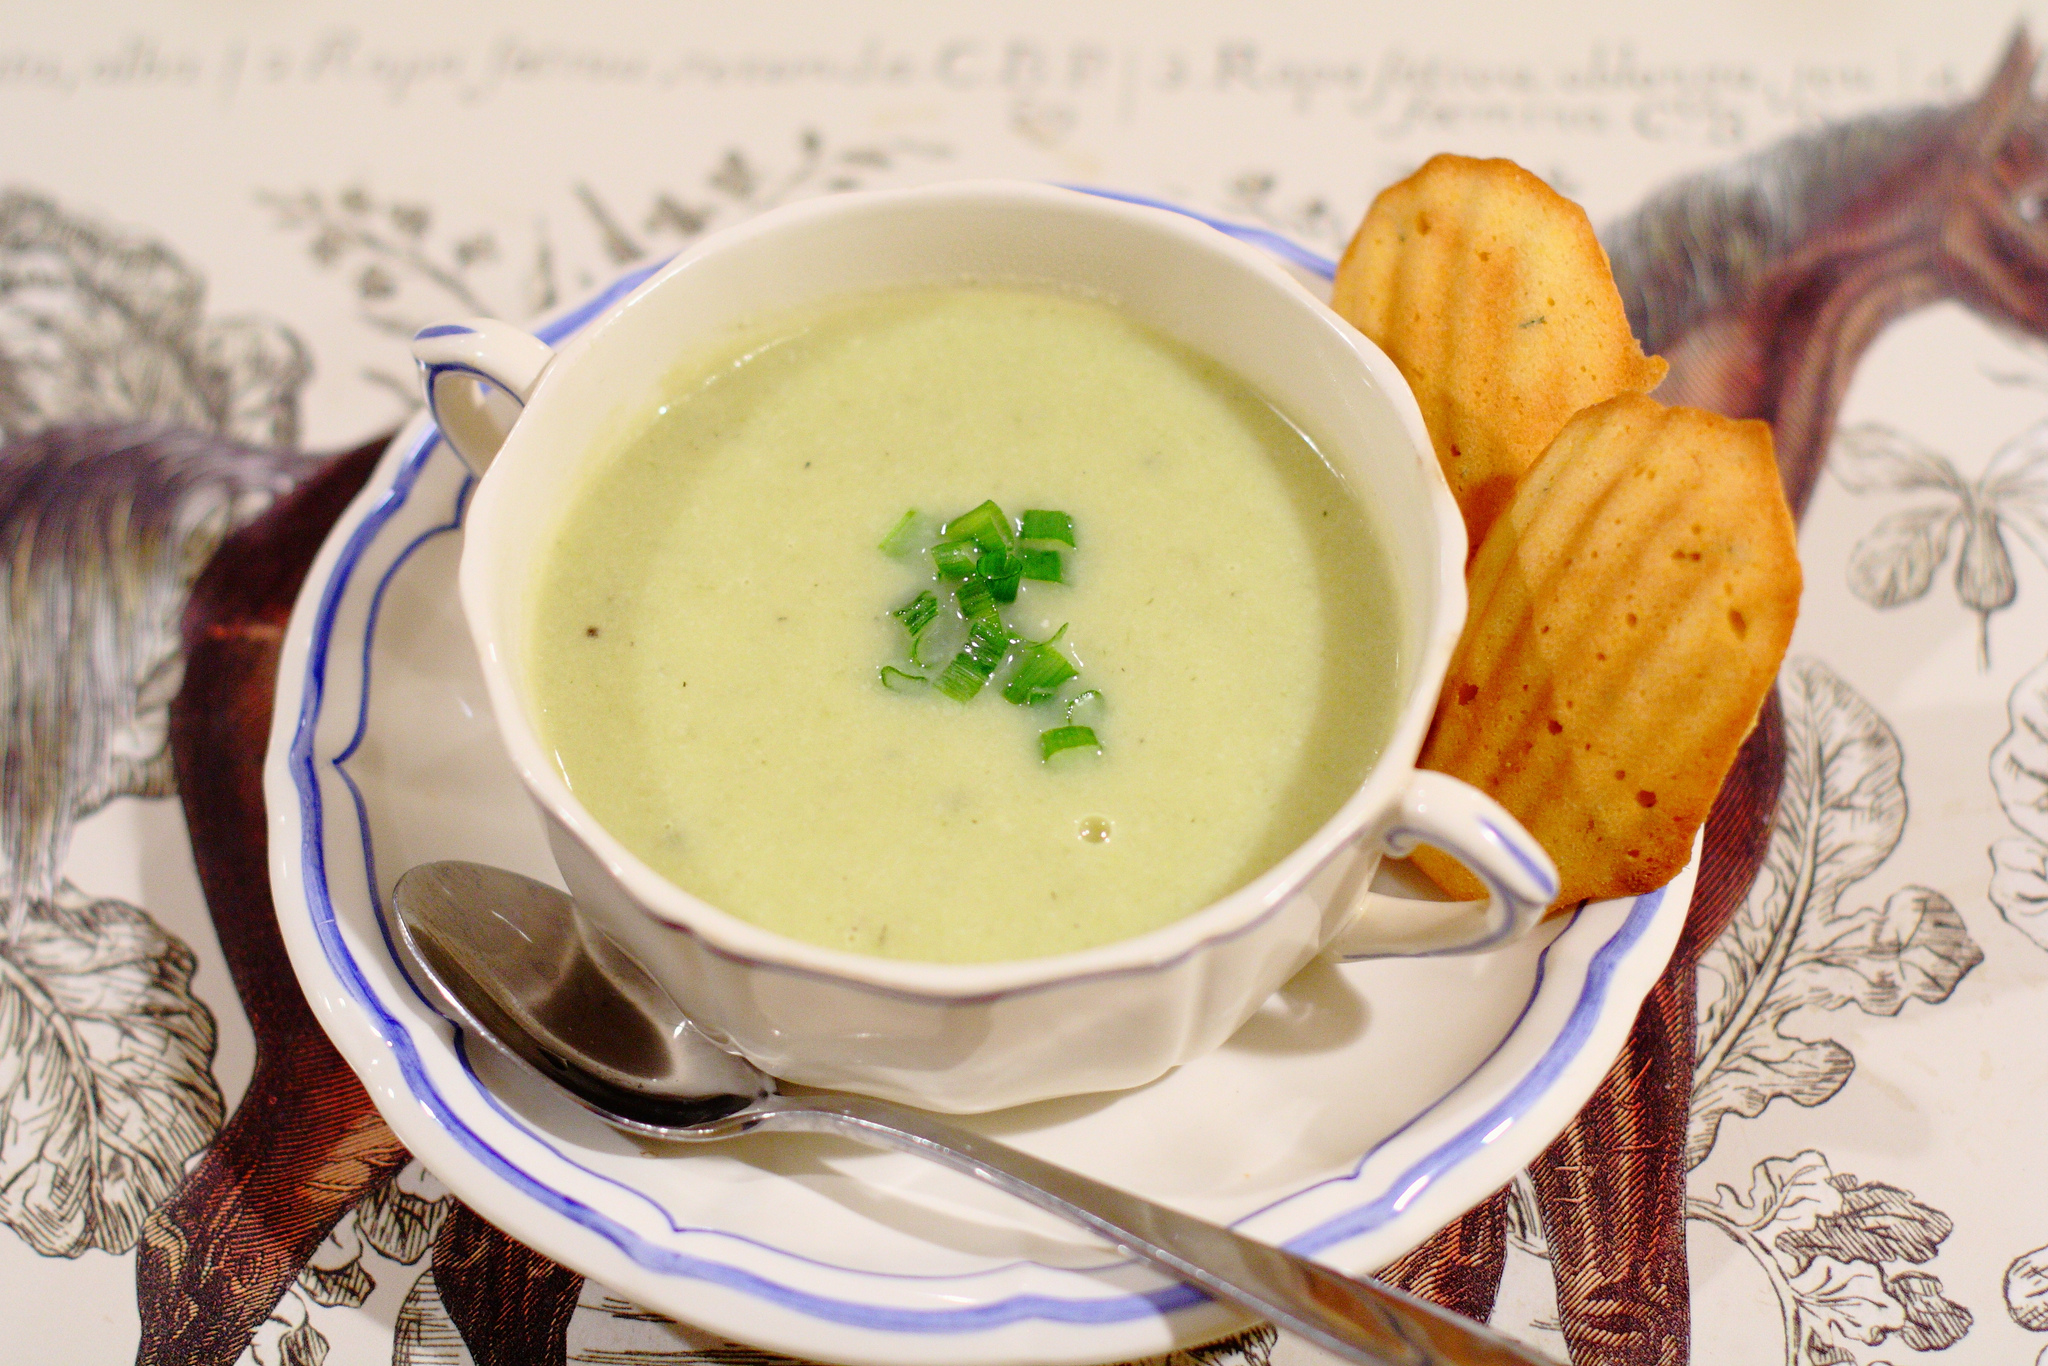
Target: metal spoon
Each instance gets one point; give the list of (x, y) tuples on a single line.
[(520, 967)]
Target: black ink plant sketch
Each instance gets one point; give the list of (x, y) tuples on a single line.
[(406, 272), (1896, 561), (110, 1088), (97, 326)]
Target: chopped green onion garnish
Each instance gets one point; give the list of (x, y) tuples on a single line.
[(978, 556), (955, 559), (985, 647), (1003, 569), (986, 526), (959, 682), (1042, 565), (1039, 675), (902, 537), (1051, 742), (1040, 525), (994, 564), (1052, 639), (918, 613), (976, 598)]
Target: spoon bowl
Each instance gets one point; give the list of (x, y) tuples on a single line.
[(539, 981), (516, 964)]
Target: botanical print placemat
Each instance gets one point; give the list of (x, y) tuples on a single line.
[(219, 225)]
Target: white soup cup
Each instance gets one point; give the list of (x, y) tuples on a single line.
[(978, 1036)]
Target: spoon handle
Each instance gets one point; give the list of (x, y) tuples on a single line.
[(1355, 1319)]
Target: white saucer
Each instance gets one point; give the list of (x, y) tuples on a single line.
[(1364, 1107)]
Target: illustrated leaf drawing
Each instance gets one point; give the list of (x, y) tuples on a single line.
[(1915, 948), (1821, 1352), (1787, 1195), (288, 1337), (304, 1345), (2019, 762), (1870, 457), (1766, 1068), (1984, 574), (335, 1274), (2026, 1290), (2019, 886), (348, 1285), (99, 325), (2019, 775), (401, 1217), (1870, 1222), (1830, 1244), (105, 1074), (1846, 1303), (1895, 562), (1841, 810), (425, 1333), (2016, 478), (1933, 1320), (398, 1219)]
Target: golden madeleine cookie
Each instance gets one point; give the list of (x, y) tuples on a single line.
[(1629, 609), (1490, 292)]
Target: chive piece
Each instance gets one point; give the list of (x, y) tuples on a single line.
[(1003, 569), (890, 670), (1051, 742), (1075, 702), (1052, 639), (986, 526), (917, 614), (1040, 525), (1039, 675), (959, 682), (1042, 565), (977, 600), (902, 537), (985, 647), (986, 644), (994, 564), (955, 559)]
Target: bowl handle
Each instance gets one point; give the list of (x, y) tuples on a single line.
[(1470, 826), (477, 375)]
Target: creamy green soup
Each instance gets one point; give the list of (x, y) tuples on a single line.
[(711, 619)]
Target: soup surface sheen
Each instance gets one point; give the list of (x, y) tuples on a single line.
[(710, 623)]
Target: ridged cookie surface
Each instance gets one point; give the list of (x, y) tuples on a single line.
[(1490, 292), (1629, 609)]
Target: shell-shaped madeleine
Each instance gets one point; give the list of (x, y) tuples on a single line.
[(1629, 609), (1490, 292)]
